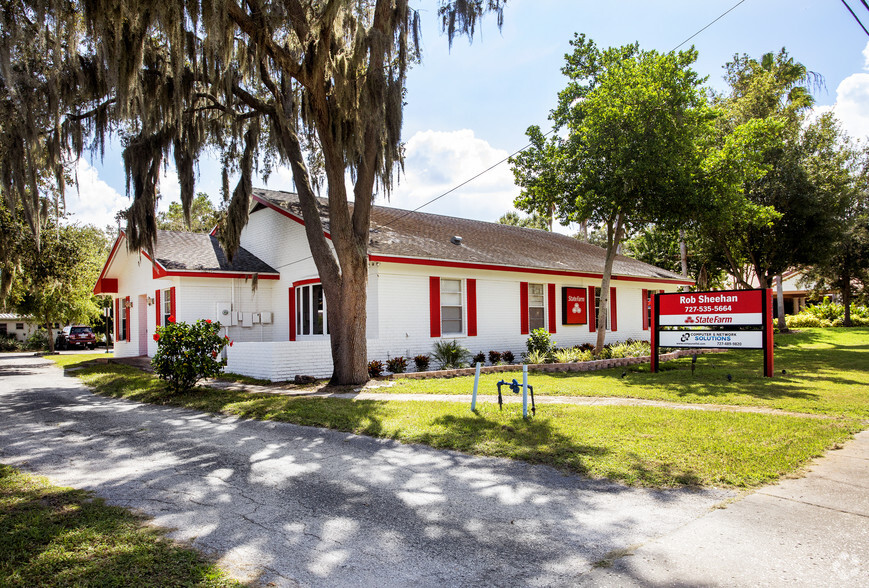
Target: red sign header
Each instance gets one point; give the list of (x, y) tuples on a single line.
[(731, 307)]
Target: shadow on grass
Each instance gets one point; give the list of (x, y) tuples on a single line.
[(51, 536)]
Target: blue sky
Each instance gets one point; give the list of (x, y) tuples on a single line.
[(469, 107)]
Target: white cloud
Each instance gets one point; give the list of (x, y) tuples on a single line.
[(94, 202), (437, 161), (852, 102)]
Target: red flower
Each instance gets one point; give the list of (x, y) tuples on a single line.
[(226, 337), (171, 318), (230, 343), (208, 321), (156, 336), (214, 354)]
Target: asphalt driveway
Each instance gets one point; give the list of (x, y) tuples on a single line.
[(296, 505)]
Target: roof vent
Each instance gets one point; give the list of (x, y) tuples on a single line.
[(456, 240)]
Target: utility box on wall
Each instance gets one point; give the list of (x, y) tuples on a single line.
[(224, 314)]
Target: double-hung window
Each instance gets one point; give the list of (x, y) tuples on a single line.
[(452, 307), (166, 306), (536, 306), (311, 315), (597, 292)]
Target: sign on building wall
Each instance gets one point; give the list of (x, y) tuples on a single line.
[(708, 320), (574, 305)]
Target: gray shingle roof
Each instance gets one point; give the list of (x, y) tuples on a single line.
[(403, 233), (177, 250)]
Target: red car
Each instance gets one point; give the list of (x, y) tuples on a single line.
[(76, 336)]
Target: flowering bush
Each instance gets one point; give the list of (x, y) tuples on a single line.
[(187, 353)]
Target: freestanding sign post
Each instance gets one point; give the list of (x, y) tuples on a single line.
[(705, 318)]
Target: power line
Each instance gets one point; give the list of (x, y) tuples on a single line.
[(722, 15), (855, 15), (468, 181), (398, 218)]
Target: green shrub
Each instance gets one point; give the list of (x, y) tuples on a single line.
[(375, 368), (421, 362), (535, 357), (396, 365), (10, 343), (566, 355), (630, 349), (802, 321), (540, 340), (450, 354), (187, 353), (38, 340)]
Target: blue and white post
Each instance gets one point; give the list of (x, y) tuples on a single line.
[(476, 385), (525, 391)]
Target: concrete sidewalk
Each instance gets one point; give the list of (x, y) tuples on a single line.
[(811, 531)]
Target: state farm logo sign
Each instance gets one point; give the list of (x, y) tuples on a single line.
[(712, 309), (574, 305)]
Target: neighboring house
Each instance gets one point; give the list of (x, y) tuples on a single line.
[(17, 327), (431, 277), (795, 292)]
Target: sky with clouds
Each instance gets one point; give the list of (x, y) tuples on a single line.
[(468, 106)]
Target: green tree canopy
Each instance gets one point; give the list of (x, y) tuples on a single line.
[(203, 216), (54, 283), (628, 147), (533, 221)]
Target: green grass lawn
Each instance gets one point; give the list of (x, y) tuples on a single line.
[(647, 446), (827, 373), (53, 536)]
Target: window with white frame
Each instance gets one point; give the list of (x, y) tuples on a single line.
[(536, 306), (311, 315), (597, 292), (452, 307), (166, 306), (19, 326)]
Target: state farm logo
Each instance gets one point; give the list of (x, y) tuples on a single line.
[(576, 309), (690, 320), (685, 337)]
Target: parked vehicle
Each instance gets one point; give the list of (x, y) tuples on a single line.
[(75, 336)]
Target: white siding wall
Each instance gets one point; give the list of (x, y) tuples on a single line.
[(398, 306), (403, 307), (135, 278)]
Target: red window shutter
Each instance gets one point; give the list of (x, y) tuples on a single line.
[(434, 301), (117, 318), (127, 314), (523, 303), (551, 309), (614, 325), (292, 314), (172, 302), (158, 307), (645, 307), (592, 315), (472, 307)]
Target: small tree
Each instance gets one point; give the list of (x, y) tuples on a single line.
[(187, 353), (634, 121)]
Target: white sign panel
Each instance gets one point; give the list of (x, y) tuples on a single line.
[(719, 339), (704, 320)]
